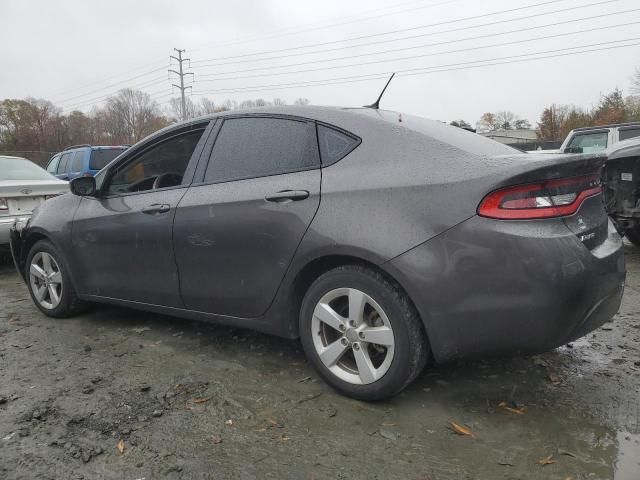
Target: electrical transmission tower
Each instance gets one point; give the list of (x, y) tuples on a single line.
[(181, 73)]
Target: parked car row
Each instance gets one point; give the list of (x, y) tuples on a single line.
[(383, 241)]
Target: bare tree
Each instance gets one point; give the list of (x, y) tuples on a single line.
[(136, 111), (301, 101), (279, 102), (175, 109)]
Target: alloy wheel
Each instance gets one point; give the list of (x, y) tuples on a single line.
[(352, 336), (46, 280)]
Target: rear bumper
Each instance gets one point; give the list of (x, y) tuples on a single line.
[(494, 287)]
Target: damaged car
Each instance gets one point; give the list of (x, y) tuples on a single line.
[(382, 241), (621, 187)]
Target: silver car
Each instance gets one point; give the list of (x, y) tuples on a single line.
[(23, 187)]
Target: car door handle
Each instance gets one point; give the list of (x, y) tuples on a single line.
[(155, 208), (284, 195)]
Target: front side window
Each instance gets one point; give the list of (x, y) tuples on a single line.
[(628, 133), (589, 143), (53, 164), (258, 147), (63, 166), (161, 166), (78, 160)]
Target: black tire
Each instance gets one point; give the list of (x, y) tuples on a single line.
[(411, 347), (69, 303), (633, 234)]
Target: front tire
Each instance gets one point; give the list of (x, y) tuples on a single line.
[(361, 333), (49, 282)]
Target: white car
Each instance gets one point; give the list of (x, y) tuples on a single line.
[(23, 186)]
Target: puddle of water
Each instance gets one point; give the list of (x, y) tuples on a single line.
[(628, 462)]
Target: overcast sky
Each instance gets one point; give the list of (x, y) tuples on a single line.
[(76, 52)]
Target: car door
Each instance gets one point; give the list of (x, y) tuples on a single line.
[(52, 166), (122, 239), (76, 164), (237, 231), (62, 171)]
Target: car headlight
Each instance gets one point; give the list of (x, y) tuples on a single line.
[(4, 204)]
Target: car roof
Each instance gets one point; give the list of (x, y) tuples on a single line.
[(611, 125), (11, 157)]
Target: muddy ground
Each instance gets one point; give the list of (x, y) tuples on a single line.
[(195, 401)]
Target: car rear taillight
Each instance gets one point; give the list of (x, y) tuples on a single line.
[(4, 205), (553, 198)]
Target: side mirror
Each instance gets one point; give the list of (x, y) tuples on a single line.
[(83, 186)]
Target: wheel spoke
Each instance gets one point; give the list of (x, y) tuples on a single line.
[(366, 370), (379, 336), (332, 353), (357, 302), (56, 277), (53, 294), (37, 271), (328, 315), (40, 292), (46, 263)]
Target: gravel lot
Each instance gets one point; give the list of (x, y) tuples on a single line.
[(123, 394)]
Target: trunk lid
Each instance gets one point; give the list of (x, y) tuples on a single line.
[(24, 196)]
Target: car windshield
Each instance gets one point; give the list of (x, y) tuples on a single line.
[(100, 157), (14, 168), (589, 142)]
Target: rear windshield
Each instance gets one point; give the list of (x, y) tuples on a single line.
[(457, 137), (21, 169), (102, 156)]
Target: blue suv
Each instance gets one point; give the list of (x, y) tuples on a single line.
[(80, 160)]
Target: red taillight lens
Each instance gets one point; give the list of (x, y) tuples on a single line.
[(553, 198)]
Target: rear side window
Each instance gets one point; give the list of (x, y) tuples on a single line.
[(258, 147), (53, 164), (78, 160), (594, 142), (628, 133), (334, 145), (100, 157), (64, 162)]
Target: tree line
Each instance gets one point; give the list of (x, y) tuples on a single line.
[(557, 120), (36, 128)]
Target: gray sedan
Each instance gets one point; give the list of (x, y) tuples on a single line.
[(383, 241)]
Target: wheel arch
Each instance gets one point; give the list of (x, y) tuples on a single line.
[(322, 264)]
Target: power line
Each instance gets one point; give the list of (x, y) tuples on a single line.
[(107, 95), (105, 79), (436, 68), (280, 33), (444, 42), (401, 30), (109, 86), (397, 59)]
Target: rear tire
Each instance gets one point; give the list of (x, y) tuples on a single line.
[(49, 282), (362, 334)]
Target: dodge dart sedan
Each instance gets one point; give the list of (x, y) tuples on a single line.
[(383, 241)]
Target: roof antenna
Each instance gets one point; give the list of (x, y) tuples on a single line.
[(376, 104)]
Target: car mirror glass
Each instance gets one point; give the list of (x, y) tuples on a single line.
[(83, 186)]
